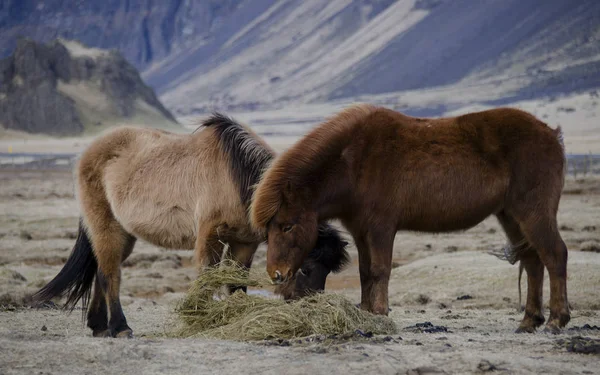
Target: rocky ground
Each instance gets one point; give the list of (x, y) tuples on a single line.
[(454, 304)]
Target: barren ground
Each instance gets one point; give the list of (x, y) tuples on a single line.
[(38, 221)]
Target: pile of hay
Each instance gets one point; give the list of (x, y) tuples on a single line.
[(249, 317)]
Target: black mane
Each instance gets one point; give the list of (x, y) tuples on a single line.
[(330, 249), (248, 158)]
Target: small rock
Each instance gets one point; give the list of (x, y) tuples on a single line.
[(44, 328), (580, 344), (25, 235), (364, 334), (12, 275), (426, 327), (464, 297), (591, 246), (451, 249), (423, 299), (424, 370), (486, 366), (70, 235)]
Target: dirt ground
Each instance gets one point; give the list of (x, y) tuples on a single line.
[(469, 297)]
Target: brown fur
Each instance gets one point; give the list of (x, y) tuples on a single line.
[(380, 171)]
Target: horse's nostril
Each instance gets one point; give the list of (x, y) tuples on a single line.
[(278, 276)]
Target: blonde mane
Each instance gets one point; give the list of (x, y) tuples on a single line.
[(306, 155)]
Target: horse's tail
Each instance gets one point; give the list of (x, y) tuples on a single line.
[(521, 267), (248, 155), (76, 277), (561, 139)]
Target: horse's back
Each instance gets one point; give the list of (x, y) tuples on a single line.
[(151, 180), (447, 167)]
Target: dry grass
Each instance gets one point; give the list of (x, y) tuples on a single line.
[(246, 317)]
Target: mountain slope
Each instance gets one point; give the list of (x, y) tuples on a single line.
[(248, 54), (314, 51)]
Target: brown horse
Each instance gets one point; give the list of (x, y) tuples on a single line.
[(177, 192), (379, 172)]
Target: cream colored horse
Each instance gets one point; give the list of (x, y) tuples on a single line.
[(177, 192)]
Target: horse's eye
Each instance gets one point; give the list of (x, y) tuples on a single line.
[(287, 228), (304, 272)]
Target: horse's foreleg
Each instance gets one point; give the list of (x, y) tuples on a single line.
[(375, 265), (209, 248), (242, 254)]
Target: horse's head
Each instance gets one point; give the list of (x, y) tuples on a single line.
[(291, 235), (292, 232), (328, 255)]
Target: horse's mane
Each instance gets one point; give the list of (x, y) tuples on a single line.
[(330, 249), (248, 155), (308, 155)]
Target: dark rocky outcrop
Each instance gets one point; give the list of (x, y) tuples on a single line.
[(31, 99)]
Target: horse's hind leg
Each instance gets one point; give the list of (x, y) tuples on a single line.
[(110, 256), (111, 245), (534, 316), (242, 254), (542, 234), (97, 317)]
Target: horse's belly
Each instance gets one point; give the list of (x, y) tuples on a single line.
[(169, 227), (441, 213), (440, 222)]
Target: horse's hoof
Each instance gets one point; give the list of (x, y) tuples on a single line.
[(552, 329), (126, 334), (525, 329), (102, 333)]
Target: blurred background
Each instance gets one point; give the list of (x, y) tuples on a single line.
[(74, 68)]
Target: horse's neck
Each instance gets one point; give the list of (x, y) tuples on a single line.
[(333, 195)]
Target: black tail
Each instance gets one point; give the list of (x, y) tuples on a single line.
[(248, 156), (76, 277)]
